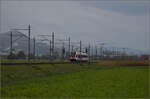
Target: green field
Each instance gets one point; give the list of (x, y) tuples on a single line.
[(74, 81)]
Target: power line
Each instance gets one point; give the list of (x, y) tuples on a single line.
[(29, 32)]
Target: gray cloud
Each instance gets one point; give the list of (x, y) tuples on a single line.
[(80, 21), (134, 7)]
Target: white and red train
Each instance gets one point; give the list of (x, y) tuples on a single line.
[(79, 57)]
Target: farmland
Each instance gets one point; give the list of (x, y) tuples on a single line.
[(95, 80)]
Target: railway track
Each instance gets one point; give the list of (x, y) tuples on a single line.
[(32, 63)]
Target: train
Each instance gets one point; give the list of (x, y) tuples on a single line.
[(79, 57)]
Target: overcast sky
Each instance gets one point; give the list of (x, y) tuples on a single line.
[(119, 23)]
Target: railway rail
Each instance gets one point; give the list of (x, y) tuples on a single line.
[(32, 63)]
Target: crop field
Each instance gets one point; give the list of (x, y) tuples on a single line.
[(74, 81)]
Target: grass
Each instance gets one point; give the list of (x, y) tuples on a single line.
[(74, 81)]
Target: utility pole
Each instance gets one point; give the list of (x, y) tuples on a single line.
[(63, 50), (117, 55), (92, 52), (80, 49), (89, 54), (69, 47), (50, 48), (101, 51), (53, 44), (34, 47), (11, 43), (29, 30), (37, 54), (80, 46), (96, 52)]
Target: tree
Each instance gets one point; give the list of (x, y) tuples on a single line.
[(21, 55)]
